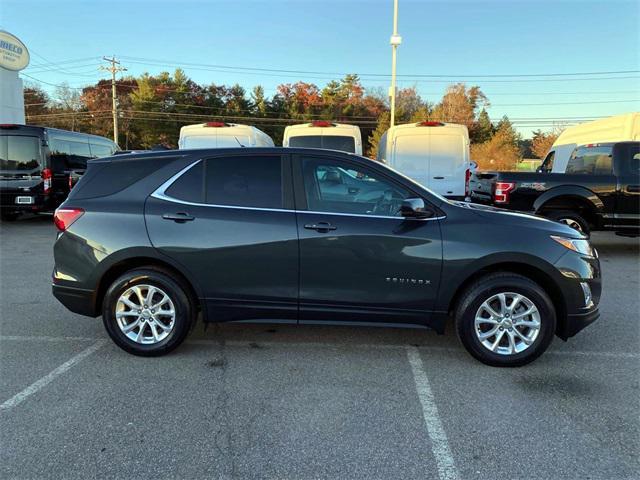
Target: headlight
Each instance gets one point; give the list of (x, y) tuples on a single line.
[(577, 245)]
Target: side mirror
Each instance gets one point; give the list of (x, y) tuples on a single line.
[(415, 208)]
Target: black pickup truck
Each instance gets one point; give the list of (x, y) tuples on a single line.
[(600, 189)]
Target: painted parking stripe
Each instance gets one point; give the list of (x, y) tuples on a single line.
[(437, 435), (44, 381)]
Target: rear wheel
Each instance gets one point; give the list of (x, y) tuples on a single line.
[(505, 320), (574, 220), (146, 312)]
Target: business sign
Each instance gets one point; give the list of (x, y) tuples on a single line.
[(13, 54)]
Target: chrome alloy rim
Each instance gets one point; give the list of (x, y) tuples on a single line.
[(145, 314), (507, 323), (572, 223)]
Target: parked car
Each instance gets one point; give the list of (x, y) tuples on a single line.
[(269, 235), (600, 189), (324, 134), (434, 154), (619, 128), (39, 165), (222, 135)]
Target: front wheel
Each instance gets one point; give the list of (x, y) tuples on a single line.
[(147, 313), (505, 320), (570, 218)]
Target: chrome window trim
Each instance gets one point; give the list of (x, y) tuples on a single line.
[(160, 194)]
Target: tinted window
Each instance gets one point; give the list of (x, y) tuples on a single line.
[(547, 165), (594, 160), (19, 153), (190, 186), (69, 154), (332, 142), (101, 150), (247, 181), (342, 188), (629, 155)]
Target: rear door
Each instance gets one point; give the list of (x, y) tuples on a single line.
[(359, 260), (627, 168), (21, 164), (447, 161), (229, 221)]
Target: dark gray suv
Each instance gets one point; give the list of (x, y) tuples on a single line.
[(308, 236)]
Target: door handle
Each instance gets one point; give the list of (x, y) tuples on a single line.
[(633, 188), (439, 178), (322, 227), (179, 217)]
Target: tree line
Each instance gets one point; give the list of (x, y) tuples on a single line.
[(152, 108)]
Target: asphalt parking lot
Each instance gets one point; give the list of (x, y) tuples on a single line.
[(239, 401)]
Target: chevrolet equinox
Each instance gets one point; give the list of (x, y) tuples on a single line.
[(307, 236)]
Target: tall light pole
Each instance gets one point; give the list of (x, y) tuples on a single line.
[(395, 41), (115, 67)]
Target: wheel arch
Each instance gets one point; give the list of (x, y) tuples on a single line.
[(573, 198), (532, 272), (119, 267)]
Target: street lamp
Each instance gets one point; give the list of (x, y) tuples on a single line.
[(395, 41)]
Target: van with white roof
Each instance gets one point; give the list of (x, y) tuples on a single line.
[(324, 134), (434, 154), (619, 128), (222, 135)]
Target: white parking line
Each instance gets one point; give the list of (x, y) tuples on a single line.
[(44, 338), (439, 443), (44, 381)]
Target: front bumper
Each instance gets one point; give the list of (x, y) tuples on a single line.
[(77, 300), (576, 322)]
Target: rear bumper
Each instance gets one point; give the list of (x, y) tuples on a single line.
[(76, 299)]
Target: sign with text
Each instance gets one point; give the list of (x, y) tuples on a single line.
[(13, 54)]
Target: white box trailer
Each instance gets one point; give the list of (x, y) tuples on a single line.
[(222, 135), (434, 154), (619, 128), (324, 134)]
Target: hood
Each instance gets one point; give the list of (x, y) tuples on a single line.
[(498, 216)]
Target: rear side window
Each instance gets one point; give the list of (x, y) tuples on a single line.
[(68, 154), (244, 181), (190, 186), (591, 160), (629, 158), (100, 150)]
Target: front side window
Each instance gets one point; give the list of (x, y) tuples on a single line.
[(547, 164), (591, 160), (19, 153), (244, 181), (337, 187)]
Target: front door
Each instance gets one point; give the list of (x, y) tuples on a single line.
[(359, 260), (224, 220), (627, 166)]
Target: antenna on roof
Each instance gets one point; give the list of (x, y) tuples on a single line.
[(238, 141)]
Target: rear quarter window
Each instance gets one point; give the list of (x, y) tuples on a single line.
[(103, 179)]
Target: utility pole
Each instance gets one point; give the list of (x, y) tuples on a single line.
[(395, 41), (115, 67)]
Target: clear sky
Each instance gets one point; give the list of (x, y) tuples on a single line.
[(470, 41)]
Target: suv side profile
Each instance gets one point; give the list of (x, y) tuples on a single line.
[(306, 236)]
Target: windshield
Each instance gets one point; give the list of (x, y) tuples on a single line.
[(19, 153), (331, 142)]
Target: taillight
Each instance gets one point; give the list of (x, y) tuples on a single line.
[(64, 217), (467, 177), (501, 193), (70, 182), (47, 175)]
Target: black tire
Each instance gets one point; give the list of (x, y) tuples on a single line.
[(485, 288), (9, 217), (567, 217), (184, 306)]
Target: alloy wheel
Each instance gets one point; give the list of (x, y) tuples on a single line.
[(507, 323), (572, 223), (145, 314)]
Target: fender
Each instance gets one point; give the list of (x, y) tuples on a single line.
[(453, 279), (569, 191)]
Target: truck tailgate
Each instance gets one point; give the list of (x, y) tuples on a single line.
[(481, 186)]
